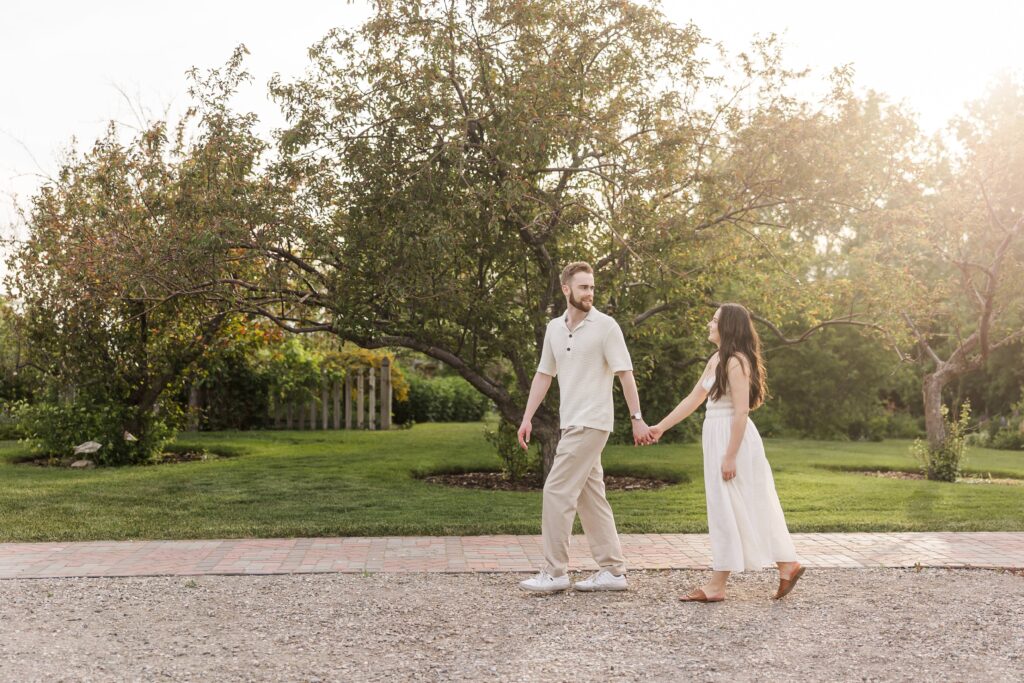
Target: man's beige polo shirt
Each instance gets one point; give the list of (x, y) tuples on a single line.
[(585, 361)]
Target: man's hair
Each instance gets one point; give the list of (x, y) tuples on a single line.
[(573, 268)]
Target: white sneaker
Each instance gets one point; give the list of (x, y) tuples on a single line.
[(603, 580), (545, 583)]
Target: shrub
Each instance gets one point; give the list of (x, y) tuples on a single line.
[(443, 399), (769, 419), (1007, 432), (56, 429), (236, 395), (903, 425), (9, 425), (10, 430), (980, 439), (944, 463), (516, 463), (1007, 439)]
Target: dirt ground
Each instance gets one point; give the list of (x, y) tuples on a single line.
[(867, 624)]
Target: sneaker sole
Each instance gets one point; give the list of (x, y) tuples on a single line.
[(544, 590)]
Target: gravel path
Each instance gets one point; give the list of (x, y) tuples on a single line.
[(865, 624)]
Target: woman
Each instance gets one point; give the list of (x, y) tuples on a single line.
[(745, 520)]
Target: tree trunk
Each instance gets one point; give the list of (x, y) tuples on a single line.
[(547, 435), (934, 425), (546, 431), (194, 405), (545, 423)]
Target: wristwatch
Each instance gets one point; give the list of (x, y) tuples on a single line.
[(636, 416)]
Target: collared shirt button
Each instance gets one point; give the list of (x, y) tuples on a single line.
[(568, 349)]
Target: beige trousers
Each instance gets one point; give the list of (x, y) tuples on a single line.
[(574, 485)]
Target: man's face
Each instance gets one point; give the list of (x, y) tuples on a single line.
[(580, 291)]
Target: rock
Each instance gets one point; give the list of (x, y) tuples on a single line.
[(83, 464), (88, 447)]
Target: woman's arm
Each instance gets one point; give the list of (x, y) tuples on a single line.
[(739, 393), (685, 407)]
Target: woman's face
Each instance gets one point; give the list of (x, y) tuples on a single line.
[(713, 335)]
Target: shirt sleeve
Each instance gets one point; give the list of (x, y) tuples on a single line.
[(615, 352), (547, 365)]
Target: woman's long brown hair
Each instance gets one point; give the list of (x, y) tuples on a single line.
[(738, 336)]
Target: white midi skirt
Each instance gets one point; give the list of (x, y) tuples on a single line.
[(745, 520)]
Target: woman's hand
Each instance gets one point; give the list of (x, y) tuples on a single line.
[(729, 468), (656, 433)]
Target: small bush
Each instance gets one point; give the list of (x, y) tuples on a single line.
[(1007, 440), (1006, 432), (902, 425), (56, 429), (444, 399), (10, 429), (980, 439), (945, 462), (516, 463), (769, 419)]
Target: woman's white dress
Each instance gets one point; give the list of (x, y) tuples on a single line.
[(745, 520)]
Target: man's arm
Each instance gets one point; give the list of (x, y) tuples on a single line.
[(538, 390), (641, 432)]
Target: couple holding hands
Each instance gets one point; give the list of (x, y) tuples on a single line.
[(585, 349)]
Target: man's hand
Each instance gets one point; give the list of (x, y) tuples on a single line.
[(641, 433), (729, 468), (525, 429)]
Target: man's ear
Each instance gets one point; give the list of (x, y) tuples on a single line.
[(566, 289)]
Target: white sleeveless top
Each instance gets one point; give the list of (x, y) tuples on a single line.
[(722, 407)]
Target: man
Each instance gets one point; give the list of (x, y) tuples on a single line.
[(585, 349)]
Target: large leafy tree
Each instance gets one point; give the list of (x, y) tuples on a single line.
[(942, 267), (447, 159), (111, 277), (444, 161)]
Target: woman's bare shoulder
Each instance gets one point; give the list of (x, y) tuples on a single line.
[(738, 361), (712, 363)]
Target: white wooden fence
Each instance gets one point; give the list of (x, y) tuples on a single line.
[(371, 388)]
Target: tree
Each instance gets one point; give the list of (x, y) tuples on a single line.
[(111, 275), (447, 159), (11, 354), (945, 264)]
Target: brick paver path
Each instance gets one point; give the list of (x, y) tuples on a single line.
[(480, 554)]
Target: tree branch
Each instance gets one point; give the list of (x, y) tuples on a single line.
[(650, 312), (488, 387), (921, 341)]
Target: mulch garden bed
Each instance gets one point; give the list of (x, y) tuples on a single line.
[(184, 456), (166, 458), (884, 474), (496, 481), (961, 480)]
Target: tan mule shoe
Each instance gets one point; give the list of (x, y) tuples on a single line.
[(698, 595), (786, 585)]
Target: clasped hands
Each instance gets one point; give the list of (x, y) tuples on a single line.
[(644, 435)]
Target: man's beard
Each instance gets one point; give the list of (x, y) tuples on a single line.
[(584, 306)]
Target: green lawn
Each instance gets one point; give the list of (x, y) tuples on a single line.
[(361, 483)]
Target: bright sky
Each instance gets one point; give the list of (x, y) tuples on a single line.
[(66, 62)]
